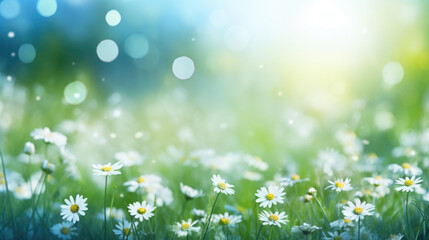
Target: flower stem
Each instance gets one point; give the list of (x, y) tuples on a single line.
[(323, 210), (8, 194), (210, 216), (259, 232), (105, 219), (359, 229), (407, 222)]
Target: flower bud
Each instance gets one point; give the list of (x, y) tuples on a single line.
[(312, 191), (48, 167), (29, 148)]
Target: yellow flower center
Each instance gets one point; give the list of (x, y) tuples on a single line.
[(106, 168), (141, 210), (347, 220), (74, 208), (185, 226), (406, 165), (126, 231), (65, 231), (274, 217), (224, 221), (408, 182), (368, 192), (339, 184), (141, 179), (2, 181), (377, 177), (295, 177), (338, 238), (269, 196), (358, 210), (222, 185)]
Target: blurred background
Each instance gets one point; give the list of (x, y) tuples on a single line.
[(270, 78)]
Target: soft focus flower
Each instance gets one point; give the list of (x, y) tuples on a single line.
[(226, 219), (199, 214), (185, 228), (123, 230), (395, 236), (340, 185), (292, 180), (305, 229), (189, 192), (408, 184), (358, 210), (47, 136), (405, 169), (270, 196), (270, 218), (141, 210), (64, 230), (107, 169), (341, 224), (221, 186), (337, 236), (129, 158), (143, 182), (73, 208)]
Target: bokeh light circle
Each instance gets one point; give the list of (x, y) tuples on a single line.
[(136, 46), (183, 67), (393, 73), (107, 50), (113, 17), (236, 38), (27, 53), (9, 9), (46, 8), (75, 93)]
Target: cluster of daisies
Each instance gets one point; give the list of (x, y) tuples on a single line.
[(271, 203)]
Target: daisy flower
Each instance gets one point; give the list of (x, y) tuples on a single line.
[(71, 211), (358, 210), (340, 185), (47, 136), (123, 229), (340, 224), (270, 196), (189, 192), (305, 229), (256, 162), (141, 210), (107, 169), (199, 214), (378, 181), (129, 158), (338, 236), (226, 219), (292, 180), (185, 228), (221, 186), (405, 169), (270, 218), (143, 182), (64, 230), (395, 236), (408, 184)]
